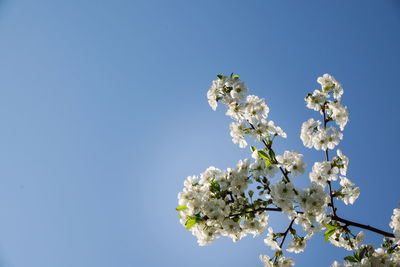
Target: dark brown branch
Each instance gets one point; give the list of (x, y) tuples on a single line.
[(363, 226), (286, 232)]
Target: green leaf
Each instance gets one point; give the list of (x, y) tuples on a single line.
[(251, 193), (350, 259), (278, 253), (190, 222), (262, 154), (271, 154), (328, 234), (357, 256), (252, 148), (220, 76), (237, 219), (361, 255), (215, 187), (267, 162), (181, 207), (236, 76), (330, 226)]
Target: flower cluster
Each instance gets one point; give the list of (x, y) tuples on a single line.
[(223, 203), (250, 114), (212, 205), (367, 256), (395, 224), (313, 201), (283, 262), (327, 100), (317, 134)]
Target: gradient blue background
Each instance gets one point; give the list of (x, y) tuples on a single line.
[(103, 115)]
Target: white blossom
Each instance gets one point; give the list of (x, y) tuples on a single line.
[(230, 89), (379, 258), (313, 201), (338, 113), (348, 243), (336, 264), (293, 162), (283, 195), (271, 170), (327, 138), (350, 193), (308, 131), (329, 83), (238, 133), (316, 100), (395, 222), (264, 129), (396, 233), (214, 93), (256, 227), (258, 167), (237, 89), (255, 109), (285, 262), (270, 241), (297, 245), (266, 260), (342, 161), (235, 111), (323, 172), (282, 261)]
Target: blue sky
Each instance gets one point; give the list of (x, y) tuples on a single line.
[(104, 114)]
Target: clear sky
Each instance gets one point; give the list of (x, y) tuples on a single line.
[(103, 115)]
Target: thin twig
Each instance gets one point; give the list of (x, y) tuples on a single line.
[(255, 210), (327, 159)]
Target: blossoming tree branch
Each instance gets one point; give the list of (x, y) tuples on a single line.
[(221, 202)]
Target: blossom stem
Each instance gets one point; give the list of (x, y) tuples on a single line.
[(284, 172), (331, 196), (327, 159)]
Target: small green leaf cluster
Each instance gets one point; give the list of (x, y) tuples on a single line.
[(331, 230), (192, 220)]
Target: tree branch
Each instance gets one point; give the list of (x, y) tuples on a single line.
[(286, 232), (363, 226)]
